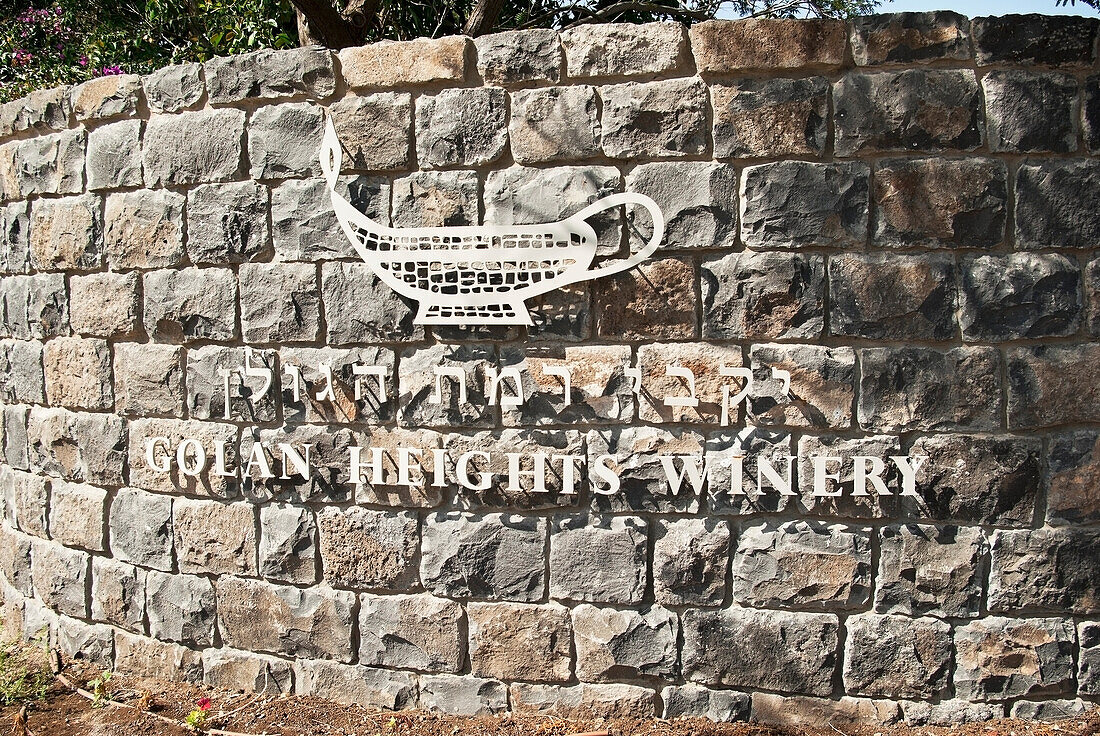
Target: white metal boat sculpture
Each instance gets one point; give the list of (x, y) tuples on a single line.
[(480, 274)]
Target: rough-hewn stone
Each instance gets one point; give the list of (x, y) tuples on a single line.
[(283, 141), (77, 446), (144, 229), (493, 556), (461, 127), (375, 130), (615, 645), (773, 650), (656, 301), (90, 643), (1029, 111), (405, 63), (118, 593), (279, 302), (300, 622), (689, 561), (174, 88), (1053, 569), (418, 632), (1058, 204), (599, 390), (927, 110), (77, 373), (15, 245), (268, 75), (67, 234), (114, 155), (800, 712), (192, 147), (287, 549), (148, 379), (462, 695), (1088, 671), (214, 537), (227, 223), (361, 548), (26, 501), (723, 46), (205, 483), (48, 164), (519, 56), (1091, 114), (15, 561), (1073, 461), (933, 570), (889, 296), (598, 559), (615, 50), (1021, 295), (76, 515), (950, 712), (104, 304), (897, 657), (638, 455), (147, 657), (21, 372), (909, 38), (234, 670), (763, 295), (360, 308), (34, 307), (697, 199), (820, 391), (1001, 658), (209, 396), (369, 687), (696, 701), (190, 304), (554, 124), (60, 577), (775, 117), (107, 97), (584, 701), (666, 119), (1048, 40), (180, 608), (1053, 384), (141, 528), (514, 641), (417, 386)]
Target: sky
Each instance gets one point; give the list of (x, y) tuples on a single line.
[(975, 8)]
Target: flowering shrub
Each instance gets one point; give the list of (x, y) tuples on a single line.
[(196, 719), (70, 41)]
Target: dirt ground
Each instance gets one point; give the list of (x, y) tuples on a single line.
[(141, 707)]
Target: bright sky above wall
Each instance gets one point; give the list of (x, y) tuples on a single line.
[(975, 8)]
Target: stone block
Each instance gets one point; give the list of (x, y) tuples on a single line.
[(663, 119), (794, 204), (34, 307), (643, 459), (147, 657), (752, 491), (190, 304), (1053, 384), (1053, 569), (104, 304), (698, 200), (114, 155), (461, 127), (950, 712), (214, 537), (369, 687), (67, 234), (695, 701), (725, 46), (820, 392), (271, 75), (287, 549), (21, 372), (598, 388), (897, 657), (26, 501), (1088, 670), (419, 632), (707, 387), (1047, 40), (928, 110), (598, 559), (616, 50), (1091, 114), (360, 308), (930, 570), (148, 379), (15, 244), (46, 164), (229, 669), (463, 695), (763, 295), (417, 386), (107, 97), (494, 556), (141, 528), (1002, 658), (690, 558), (299, 622), (227, 223), (656, 300), (280, 302), (193, 147), (207, 482), (208, 392), (405, 63), (837, 496), (584, 701), (1073, 461), (987, 480), (174, 88), (329, 456), (774, 650), (1058, 204), (350, 398), (60, 577), (76, 515), (796, 712), (77, 446), (520, 641), (1049, 711), (909, 38), (42, 110), (375, 130), (1031, 111), (15, 561), (514, 57), (617, 645), (180, 608), (1092, 297), (802, 564), (361, 548), (89, 643), (118, 594), (144, 229), (921, 388), (1019, 296), (435, 198), (892, 296), (283, 140), (774, 117), (554, 124), (77, 373), (529, 196), (15, 438)]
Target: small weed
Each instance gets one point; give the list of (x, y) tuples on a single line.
[(24, 671), (100, 688)]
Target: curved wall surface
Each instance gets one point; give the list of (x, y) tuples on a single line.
[(890, 227)]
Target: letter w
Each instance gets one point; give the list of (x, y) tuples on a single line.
[(689, 469)]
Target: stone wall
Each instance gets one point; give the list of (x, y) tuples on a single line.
[(902, 211)]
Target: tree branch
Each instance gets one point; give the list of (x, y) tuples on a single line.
[(483, 17), (326, 25)]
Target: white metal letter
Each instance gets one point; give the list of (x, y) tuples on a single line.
[(453, 372), (679, 371), (563, 373)]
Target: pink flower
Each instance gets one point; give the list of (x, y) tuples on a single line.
[(21, 57), (204, 704), (83, 60)]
